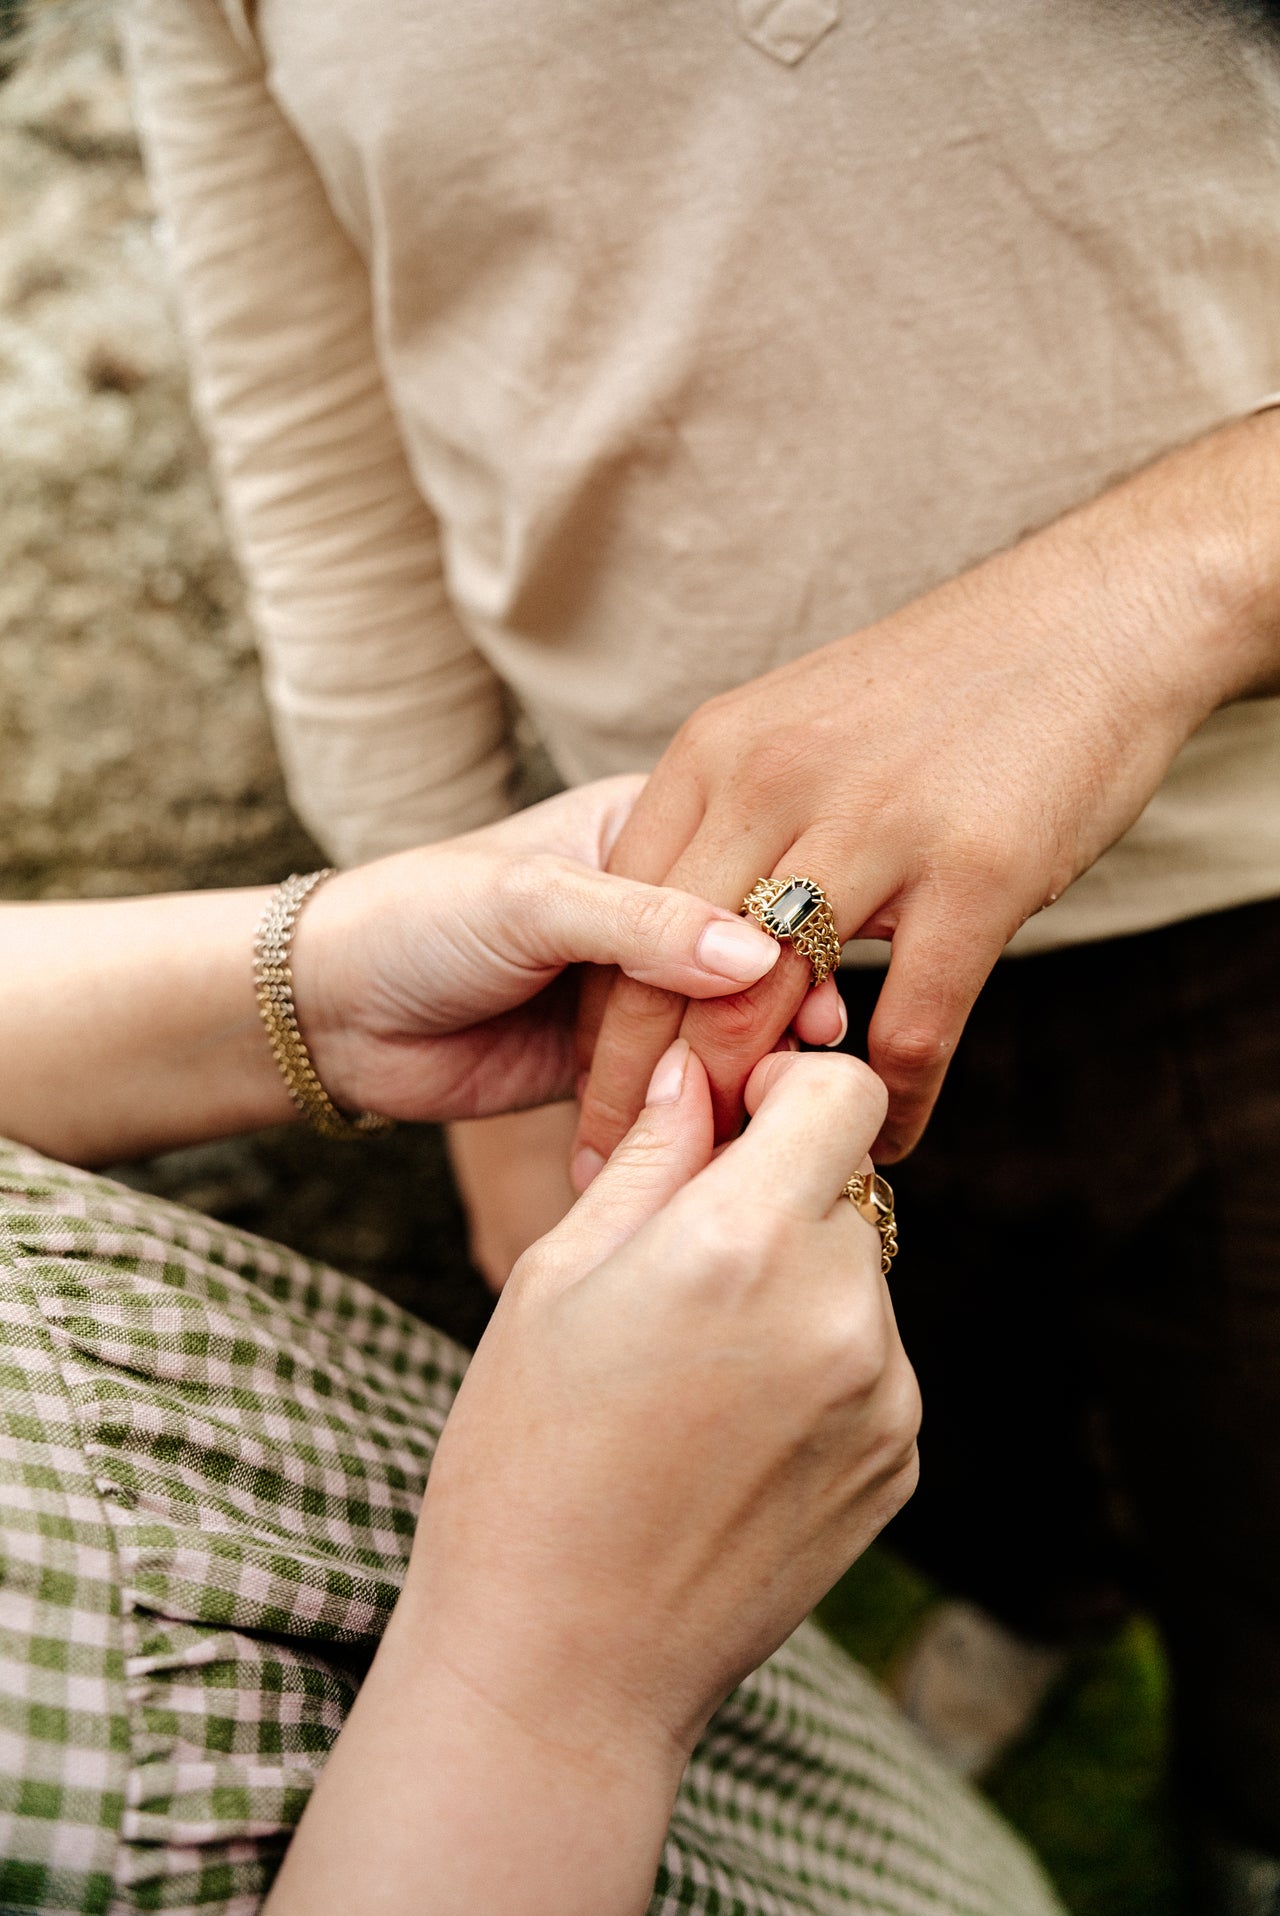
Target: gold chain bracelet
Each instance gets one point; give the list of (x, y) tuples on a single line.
[(273, 982)]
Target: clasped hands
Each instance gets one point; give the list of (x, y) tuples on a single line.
[(942, 774), (691, 1408)]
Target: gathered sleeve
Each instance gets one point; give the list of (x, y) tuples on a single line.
[(392, 727)]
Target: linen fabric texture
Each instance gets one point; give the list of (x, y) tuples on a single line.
[(212, 1453), (612, 355)]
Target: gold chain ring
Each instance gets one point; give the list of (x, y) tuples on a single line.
[(798, 911), (872, 1198)]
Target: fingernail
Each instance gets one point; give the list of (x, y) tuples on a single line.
[(843, 1032), (731, 948), (585, 1166), (667, 1081)]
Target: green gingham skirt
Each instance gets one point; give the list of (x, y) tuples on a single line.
[(212, 1453)]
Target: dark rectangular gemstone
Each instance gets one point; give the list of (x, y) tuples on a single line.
[(790, 911)]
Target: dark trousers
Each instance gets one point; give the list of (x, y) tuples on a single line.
[(1089, 1288)]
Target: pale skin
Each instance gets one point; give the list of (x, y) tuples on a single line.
[(691, 1409), (512, 1173)]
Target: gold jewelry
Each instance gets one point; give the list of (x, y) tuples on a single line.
[(872, 1198), (273, 980), (799, 910)]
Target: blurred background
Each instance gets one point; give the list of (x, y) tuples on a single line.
[(135, 755)]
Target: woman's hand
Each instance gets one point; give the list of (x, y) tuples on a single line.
[(429, 985), (950, 770), (690, 1412), (693, 1394)]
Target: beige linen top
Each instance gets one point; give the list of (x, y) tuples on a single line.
[(616, 351)]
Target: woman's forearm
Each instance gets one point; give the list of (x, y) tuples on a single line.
[(437, 1802), (129, 1026)]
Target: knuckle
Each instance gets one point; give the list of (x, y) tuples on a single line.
[(849, 1089), (901, 1404), (856, 1356), (910, 1051), (712, 1251), (701, 731), (605, 1117), (871, 1097), (773, 761), (869, 1366), (655, 915), (885, 1454), (536, 1268), (724, 1025), (635, 1007)]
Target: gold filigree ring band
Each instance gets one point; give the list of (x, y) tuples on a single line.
[(872, 1198), (799, 911)]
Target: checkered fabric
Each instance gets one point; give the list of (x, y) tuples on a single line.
[(212, 1453)]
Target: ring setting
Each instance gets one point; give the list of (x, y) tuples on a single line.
[(872, 1198), (797, 910)]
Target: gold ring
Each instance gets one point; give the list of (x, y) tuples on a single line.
[(872, 1198), (799, 910)]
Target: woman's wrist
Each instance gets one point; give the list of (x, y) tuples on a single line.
[(475, 1806)]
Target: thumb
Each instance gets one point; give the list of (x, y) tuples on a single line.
[(569, 914), (669, 1143)]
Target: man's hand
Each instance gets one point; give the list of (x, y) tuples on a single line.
[(947, 772)]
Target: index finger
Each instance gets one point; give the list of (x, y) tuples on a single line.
[(744, 1027), (634, 1020), (811, 1130), (639, 1021)]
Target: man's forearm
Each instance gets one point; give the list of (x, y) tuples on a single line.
[(1197, 535), (954, 767), (129, 1026)]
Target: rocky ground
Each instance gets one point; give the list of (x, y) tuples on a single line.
[(135, 753)]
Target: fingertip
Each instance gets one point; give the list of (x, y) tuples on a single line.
[(770, 1071), (821, 1018), (766, 1076), (667, 1082), (585, 1165)]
